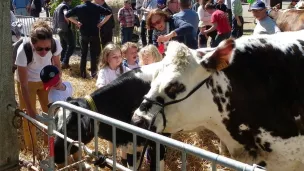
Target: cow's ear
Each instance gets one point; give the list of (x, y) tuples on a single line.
[(220, 57)]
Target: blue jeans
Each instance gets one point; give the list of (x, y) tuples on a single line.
[(21, 11), (67, 41), (126, 34)]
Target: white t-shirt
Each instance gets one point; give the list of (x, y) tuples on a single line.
[(59, 95), (204, 16), (266, 26), (38, 62), (107, 75)]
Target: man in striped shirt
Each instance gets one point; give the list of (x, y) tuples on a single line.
[(126, 19)]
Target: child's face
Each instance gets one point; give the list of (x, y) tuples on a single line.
[(114, 59), (147, 59), (57, 85), (131, 55)]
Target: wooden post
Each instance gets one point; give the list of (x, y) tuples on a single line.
[(9, 144)]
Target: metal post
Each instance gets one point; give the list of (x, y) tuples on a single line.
[(51, 137), (114, 146), (134, 152), (79, 139), (65, 138), (184, 161), (96, 139)]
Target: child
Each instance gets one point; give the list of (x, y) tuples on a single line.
[(110, 65), (148, 55), (59, 91), (129, 51)]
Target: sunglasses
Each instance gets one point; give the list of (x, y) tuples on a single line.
[(156, 22), (39, 49)]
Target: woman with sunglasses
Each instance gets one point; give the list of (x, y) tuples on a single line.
[(28, 79), (166, 28)]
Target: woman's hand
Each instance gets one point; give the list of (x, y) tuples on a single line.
[(166, 38), (163, 38)]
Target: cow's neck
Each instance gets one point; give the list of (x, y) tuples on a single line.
[(211, 109)]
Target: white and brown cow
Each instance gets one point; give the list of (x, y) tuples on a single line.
[(255, 105)]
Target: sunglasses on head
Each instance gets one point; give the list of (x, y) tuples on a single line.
[(39, 49)]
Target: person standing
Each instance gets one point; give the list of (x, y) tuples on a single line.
[(147, 6), (36, 7), (265, 25), (172, 7), (88, 15), (189, 16), (39, 51), (21, 7), (219, 22), (237, 19), (106, 30), (126, 19), (62, 27), (228, 5)]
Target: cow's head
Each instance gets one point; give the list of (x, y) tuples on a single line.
[(87, 128), (182, 70)]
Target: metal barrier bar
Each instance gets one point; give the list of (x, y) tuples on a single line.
[(96, 140), (41, 125), (158, 138), (134, 152), (184, 164), (213, 166), (79, 139), (114, 146), (65, 138), (157, 156)]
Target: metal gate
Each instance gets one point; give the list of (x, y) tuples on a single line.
[(158, 139)]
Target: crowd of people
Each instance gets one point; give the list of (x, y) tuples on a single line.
[(191, 23)]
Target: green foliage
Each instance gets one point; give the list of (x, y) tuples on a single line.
[(57, 2)]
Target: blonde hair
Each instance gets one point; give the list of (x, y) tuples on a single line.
[(40, 31), (105, 55), (149, 50), (128, 45)]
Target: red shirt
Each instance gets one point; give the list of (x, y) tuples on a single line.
[(222, 21)]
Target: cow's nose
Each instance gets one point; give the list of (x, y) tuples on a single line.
[(140, 122)]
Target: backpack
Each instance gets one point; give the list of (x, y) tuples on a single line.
[(28, 50)]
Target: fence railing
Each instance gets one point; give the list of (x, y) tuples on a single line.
[(158, 139)]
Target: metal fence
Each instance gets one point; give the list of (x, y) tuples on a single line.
[(158, 139)]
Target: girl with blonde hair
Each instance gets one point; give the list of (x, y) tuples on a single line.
[(110, 65), (149, 54)]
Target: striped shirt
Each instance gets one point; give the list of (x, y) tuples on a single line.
[(126, 17)]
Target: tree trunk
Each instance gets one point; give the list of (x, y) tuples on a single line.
[(9, 145)]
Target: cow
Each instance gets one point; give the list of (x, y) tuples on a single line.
[(248, 91), (117, 100), (288, 19)]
